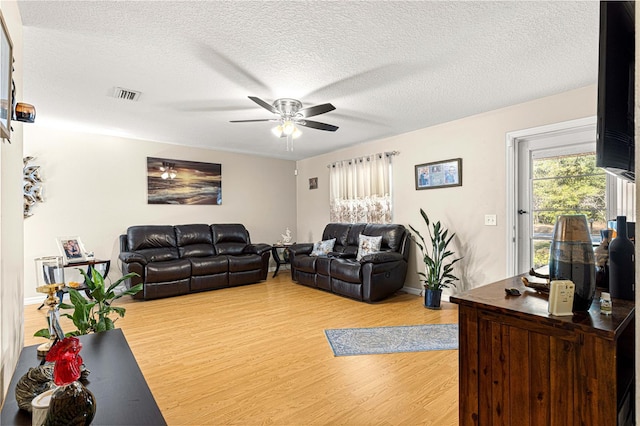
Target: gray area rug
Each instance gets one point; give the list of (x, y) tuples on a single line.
[(385, 340)]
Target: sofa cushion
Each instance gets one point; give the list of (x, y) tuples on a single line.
[(244, 262), (323, 265), (323, 248), (230, 238), (209, 265), (339, 231), (159, 254), (173, 270), (392, 235), (305, 263), (157, 243), (150, 236), (194, 240), (347, 270), (353, 238), (368, 245)]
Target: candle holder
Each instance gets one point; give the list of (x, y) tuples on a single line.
[(50, 277)]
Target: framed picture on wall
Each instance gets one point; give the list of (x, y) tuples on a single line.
[(72, 249), (6, 66), (440, 174), (313, 183), (183, 182)]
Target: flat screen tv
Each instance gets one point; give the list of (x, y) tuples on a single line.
[(615, 128)]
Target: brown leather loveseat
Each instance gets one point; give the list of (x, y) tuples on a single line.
[(181, 259), (373, 277)]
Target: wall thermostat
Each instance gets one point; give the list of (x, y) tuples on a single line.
[(561, 297)]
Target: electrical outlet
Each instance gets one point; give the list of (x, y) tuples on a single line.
[(490, 220)]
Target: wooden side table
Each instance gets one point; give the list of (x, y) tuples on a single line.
[(101, 265), (521, 365), (284, 248)]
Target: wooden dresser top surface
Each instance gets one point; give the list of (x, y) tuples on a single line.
[(533, 306)]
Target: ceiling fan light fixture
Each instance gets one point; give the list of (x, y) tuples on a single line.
[(296, 133), (277, 131), (288, 127)]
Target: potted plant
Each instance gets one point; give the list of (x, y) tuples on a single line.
[(93, 316), (438, 273)]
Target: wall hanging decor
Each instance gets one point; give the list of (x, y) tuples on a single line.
[(31, 186), (183, 182), (313, 183), (6, 65), (439, 174)]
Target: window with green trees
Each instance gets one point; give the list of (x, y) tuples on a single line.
[(568, 184)]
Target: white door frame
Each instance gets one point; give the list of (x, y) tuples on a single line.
[(512, 139)]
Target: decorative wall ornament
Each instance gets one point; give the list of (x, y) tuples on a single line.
[(31, 186)]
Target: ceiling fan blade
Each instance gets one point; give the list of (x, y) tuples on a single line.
[(253, 121), (316, 110), (264, 105), (318, 125)]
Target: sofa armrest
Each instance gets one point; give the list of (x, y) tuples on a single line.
[(382, 257), (302, 248), (259, 248), (131, 257)]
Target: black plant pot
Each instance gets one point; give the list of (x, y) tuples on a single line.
[(432, 299)]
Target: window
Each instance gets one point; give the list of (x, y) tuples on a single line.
[(566, 184)]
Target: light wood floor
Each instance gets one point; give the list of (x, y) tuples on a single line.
[(257, 354)]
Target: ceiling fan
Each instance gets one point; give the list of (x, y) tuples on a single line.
[(292, 114)]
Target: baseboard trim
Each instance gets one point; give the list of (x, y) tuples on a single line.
[(419, 292), (412, 290), (35, 300)]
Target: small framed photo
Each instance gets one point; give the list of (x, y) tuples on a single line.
[(440, 174), (313, 183), (72, 249)]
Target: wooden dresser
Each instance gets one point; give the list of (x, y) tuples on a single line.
[(521, 366)]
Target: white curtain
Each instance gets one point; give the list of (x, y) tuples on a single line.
[(360, 189)]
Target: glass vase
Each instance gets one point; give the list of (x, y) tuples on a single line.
[(71, 404), (571, 257)]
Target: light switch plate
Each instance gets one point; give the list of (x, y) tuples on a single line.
[(490, 220)]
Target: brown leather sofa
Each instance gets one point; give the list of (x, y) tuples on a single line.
[(181, 259), (372, 278)]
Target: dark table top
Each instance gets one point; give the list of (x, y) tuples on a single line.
[(122, 394), (533, 306)]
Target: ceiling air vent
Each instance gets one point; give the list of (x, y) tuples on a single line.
[(126, 94)]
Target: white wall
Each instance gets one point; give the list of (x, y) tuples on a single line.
[(95, 187), (480, 142), (11, 239)]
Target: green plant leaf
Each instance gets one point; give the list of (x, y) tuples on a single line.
[(93, 316), (119, 310), (109, 324), (43, 332)]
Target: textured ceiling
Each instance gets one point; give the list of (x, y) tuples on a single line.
[(388, 67)]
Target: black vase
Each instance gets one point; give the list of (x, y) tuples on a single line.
[(602, 260), (622, 264), (432, 298)]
